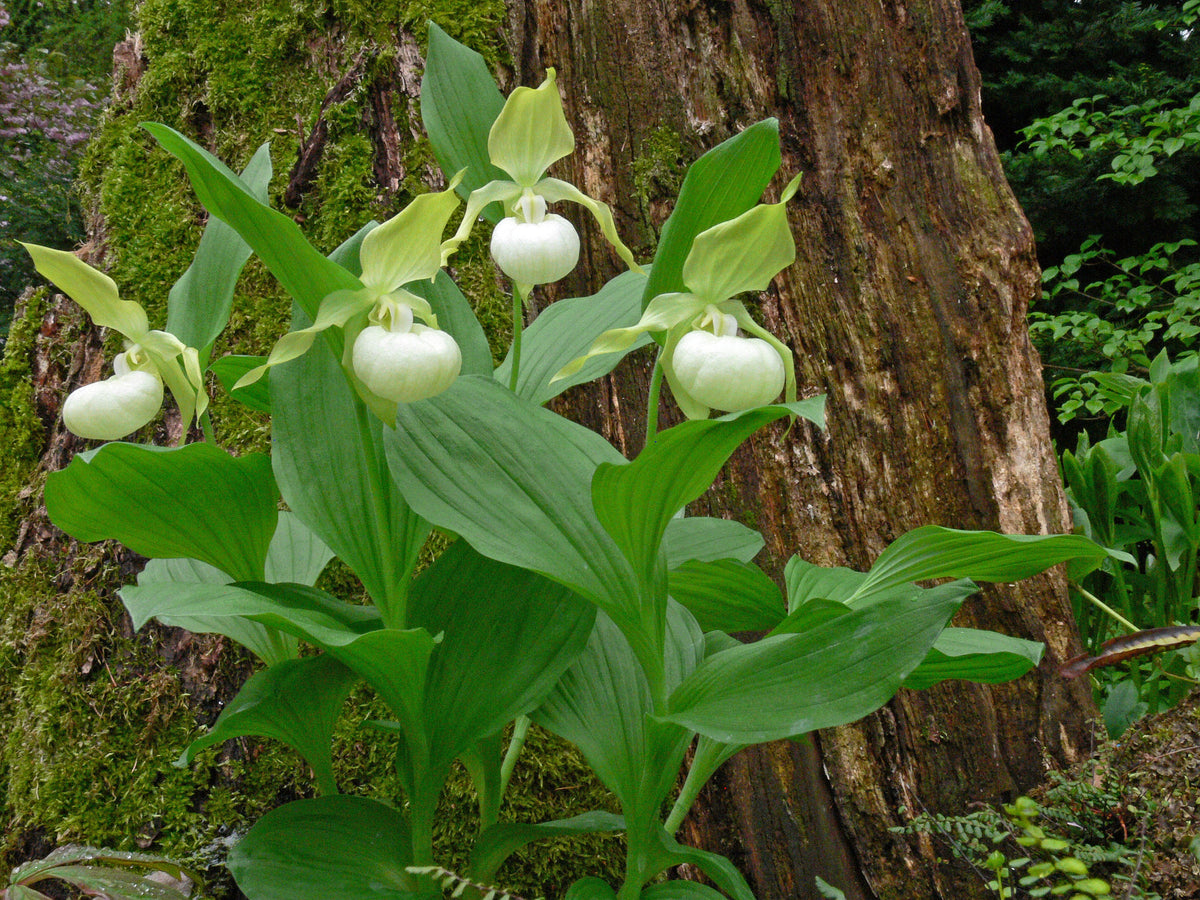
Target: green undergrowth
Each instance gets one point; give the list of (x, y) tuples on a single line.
[(95, 715)]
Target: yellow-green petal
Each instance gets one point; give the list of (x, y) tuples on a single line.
[(408, 246), (492, 192), (531, 132), (554, 190), (743, 254), (91, 289)]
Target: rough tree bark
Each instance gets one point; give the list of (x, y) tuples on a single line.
[(906, 306)]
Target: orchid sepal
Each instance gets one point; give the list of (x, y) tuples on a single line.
[(531, 133)]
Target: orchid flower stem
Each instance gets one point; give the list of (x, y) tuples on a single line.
[(1105, 608), (515, 745), (687, 797), (393, 607), (519, 295), (206, 424), (652, 400)]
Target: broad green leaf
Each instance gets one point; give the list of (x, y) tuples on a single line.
[(668, 852), (199, 303), (590, 889), (936, 552), (329, 847), (455, 316), (724, 183), (790, 684), (499, 842), (72, 856), (195, 501), (565, 330), (728, 595), (603, 703), (269, 644), (507, 635), (807, 581), (705, 539), (101, 881), (513, 480), (304, 273), (743, 254), (971, 655), (91, 289), (231, 369), (531, 132), (298, 702), (459, 103), (681, 890), (635, 501), (296, 554), (328, 457)]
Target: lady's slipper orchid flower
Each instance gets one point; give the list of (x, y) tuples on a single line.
[(123, 403), (706, 363), (530, 247), (392, 358)]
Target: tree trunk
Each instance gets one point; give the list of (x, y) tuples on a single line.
[(906, 306)]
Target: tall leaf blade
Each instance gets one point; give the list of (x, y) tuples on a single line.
[(304, 273), (704, 539), (972, 655), (199, 302), (636, 501), (328, 457), (722, 184), (459, 103), (839, 671), (936, 552), (195, 501), (565, 331)]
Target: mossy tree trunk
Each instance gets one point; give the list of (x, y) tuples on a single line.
[(906, 306)]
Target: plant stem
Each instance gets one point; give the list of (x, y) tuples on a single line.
[(1103, 607), (394, 601), (518, 313), (652, 399), (515, 745), (687, 796), (206, 424)]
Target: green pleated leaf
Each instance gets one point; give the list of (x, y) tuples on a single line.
[(230, 370), (513, 480), (566, 329), (722, 184), (456, 318), (334, 477), (296, 555), (936, 552), (195, 501), (100, 881), (590, 889), (304, 273), (602, 705), (507, 635), (704, 539), (100, 869), (728, 595), (328, 847), (199, 303), (298, 702), (499, 842), (839, 671), (972, 655), (636, 501), (459, 103)]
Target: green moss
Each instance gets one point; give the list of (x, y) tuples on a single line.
[(21, 431)]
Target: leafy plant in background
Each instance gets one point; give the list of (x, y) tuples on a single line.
[(107, 874), (48, 104), (576, 593), (1137, 491)]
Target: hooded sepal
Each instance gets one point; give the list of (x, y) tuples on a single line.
[(531, 133)]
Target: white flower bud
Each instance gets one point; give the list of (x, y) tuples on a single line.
[(110, 409), (728, 372), (406, 365), (535, 247)]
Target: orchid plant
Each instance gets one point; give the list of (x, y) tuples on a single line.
[(577, 593)]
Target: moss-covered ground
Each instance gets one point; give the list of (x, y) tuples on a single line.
[(94, 714)]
